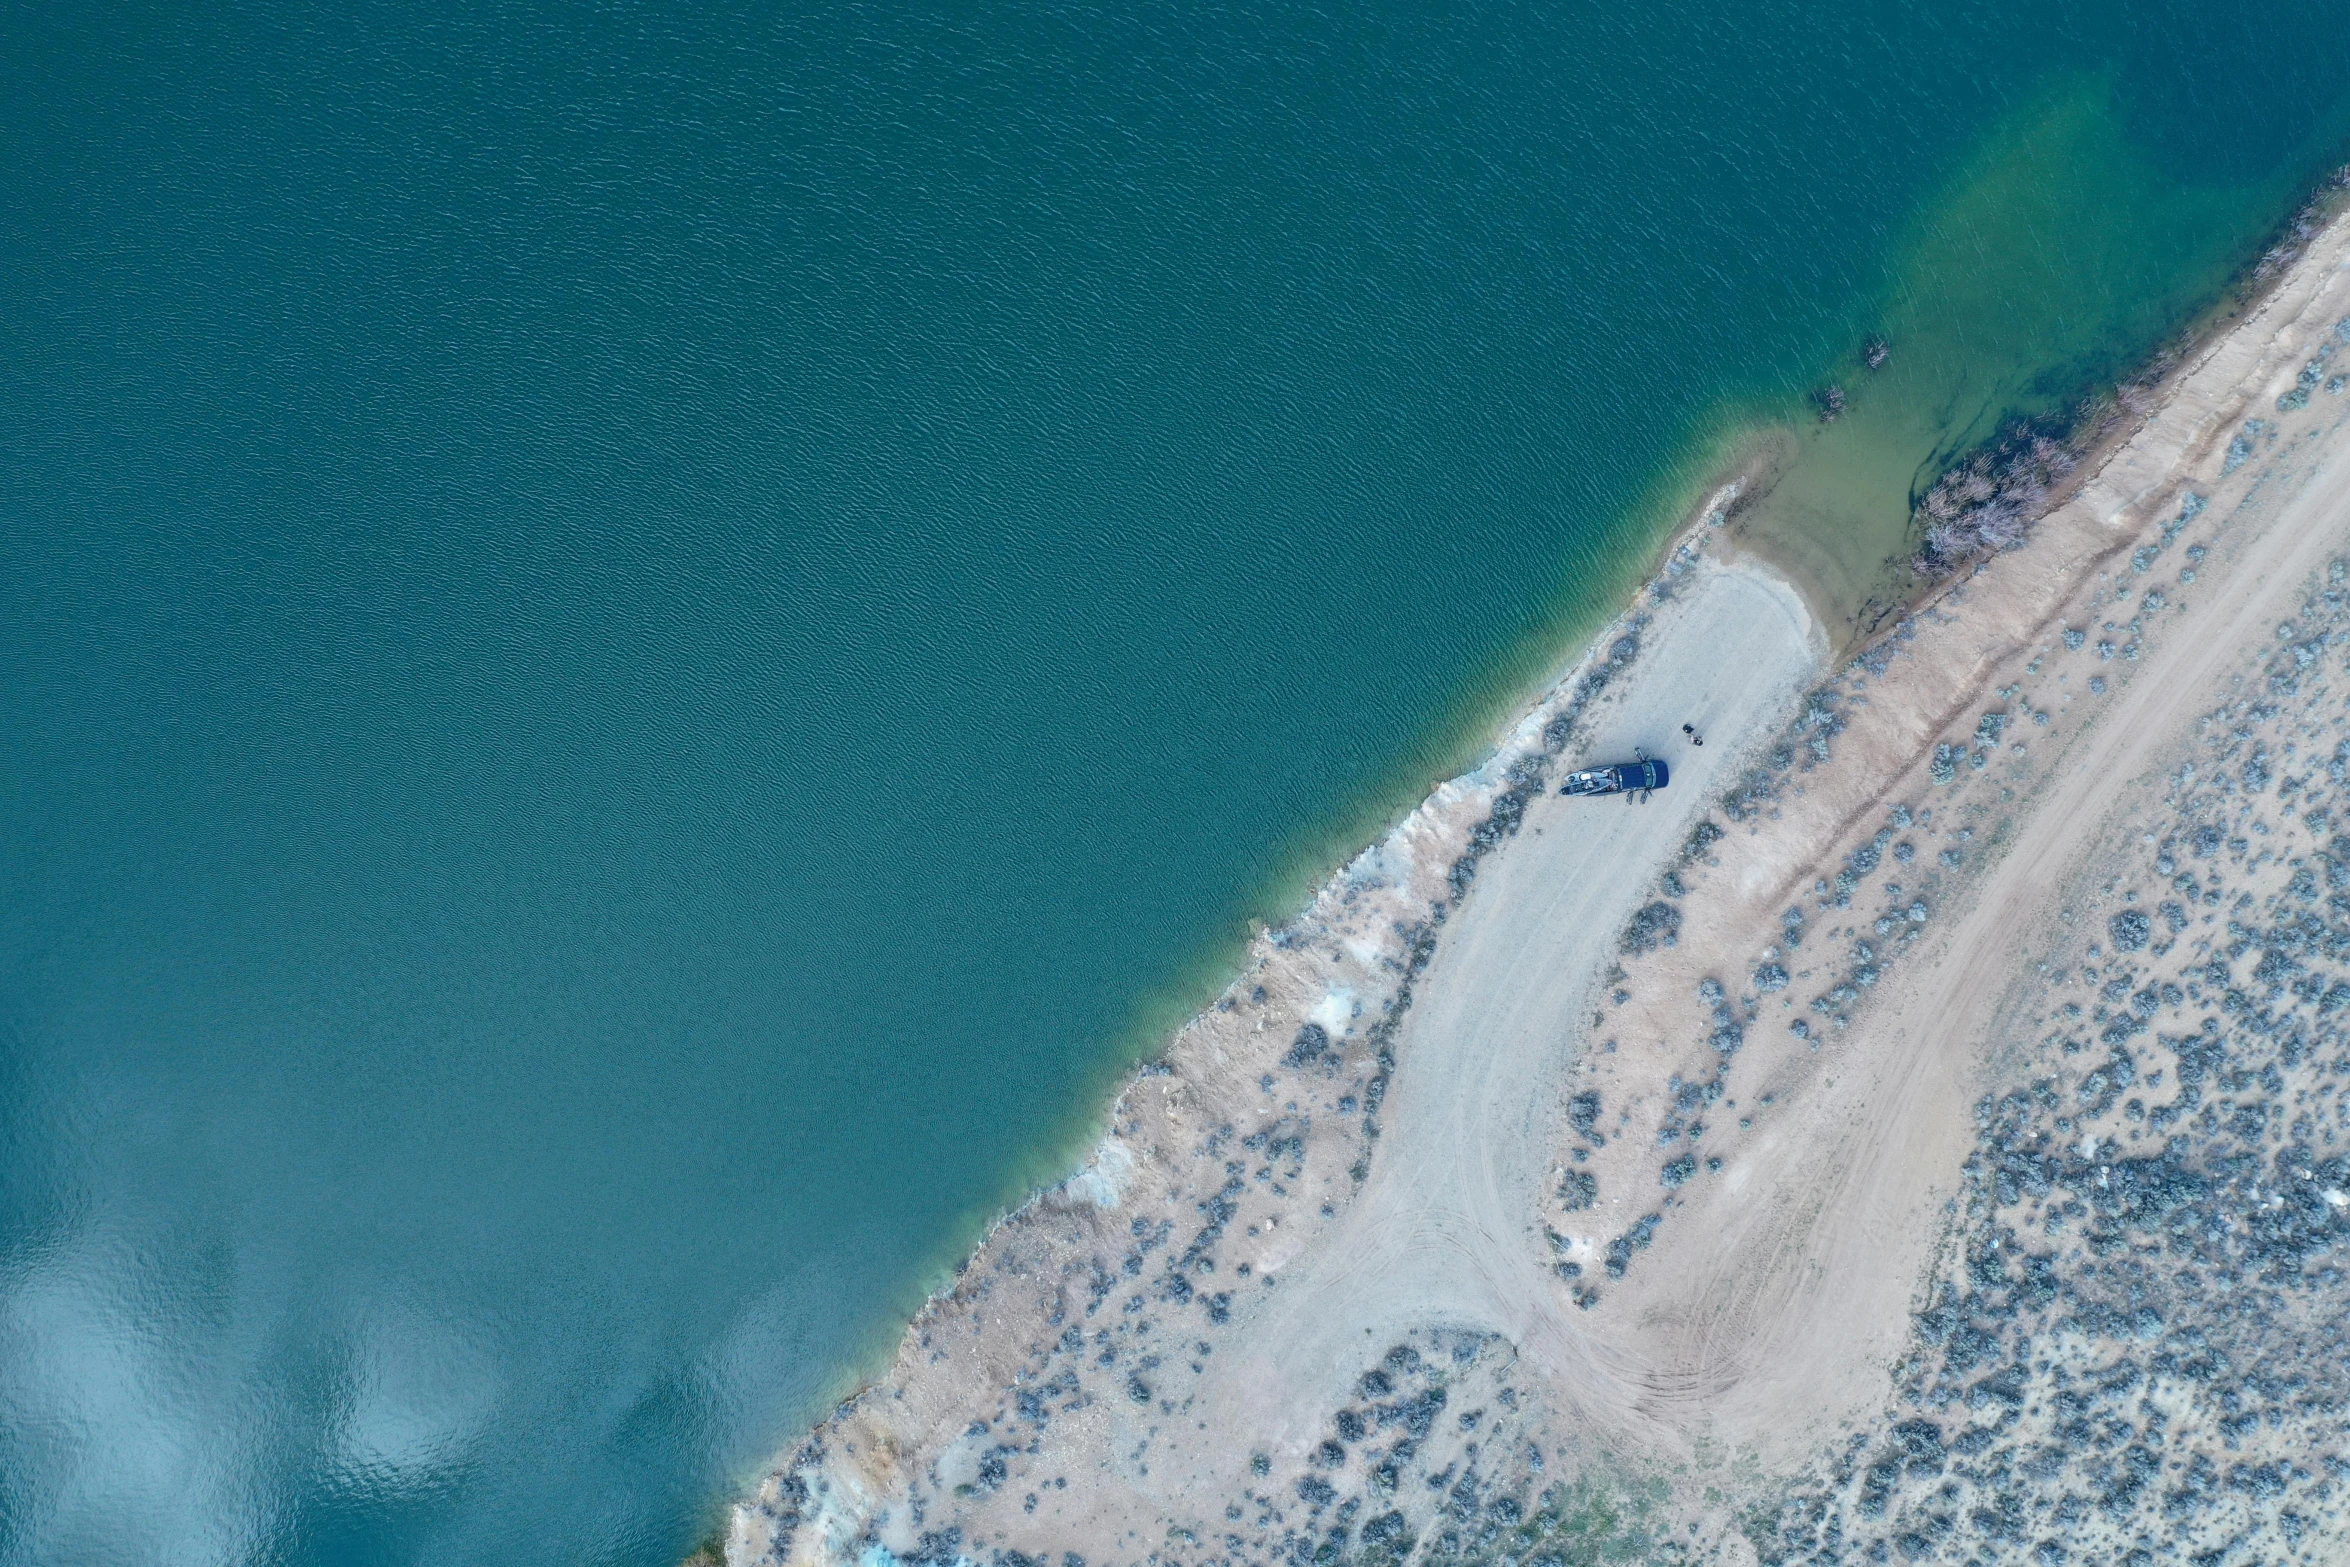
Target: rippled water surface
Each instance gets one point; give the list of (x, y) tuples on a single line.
[(641, 642)]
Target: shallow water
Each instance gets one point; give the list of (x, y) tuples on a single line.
[(2103, 248), (641, 650)]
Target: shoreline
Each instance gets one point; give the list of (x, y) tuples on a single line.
[(1411, 878), (1430, 858), (1750, 455), (1728, 483)]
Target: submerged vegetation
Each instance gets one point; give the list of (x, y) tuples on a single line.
[(1990, 500)]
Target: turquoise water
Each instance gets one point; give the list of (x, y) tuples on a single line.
[(640, 646)]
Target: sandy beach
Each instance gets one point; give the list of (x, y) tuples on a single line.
[(1583, 1175)]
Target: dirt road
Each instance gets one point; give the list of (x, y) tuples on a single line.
[(1447, 1230)]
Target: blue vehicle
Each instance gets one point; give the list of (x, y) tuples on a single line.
[(1633, 778)]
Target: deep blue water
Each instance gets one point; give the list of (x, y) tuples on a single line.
[(640, 643)]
